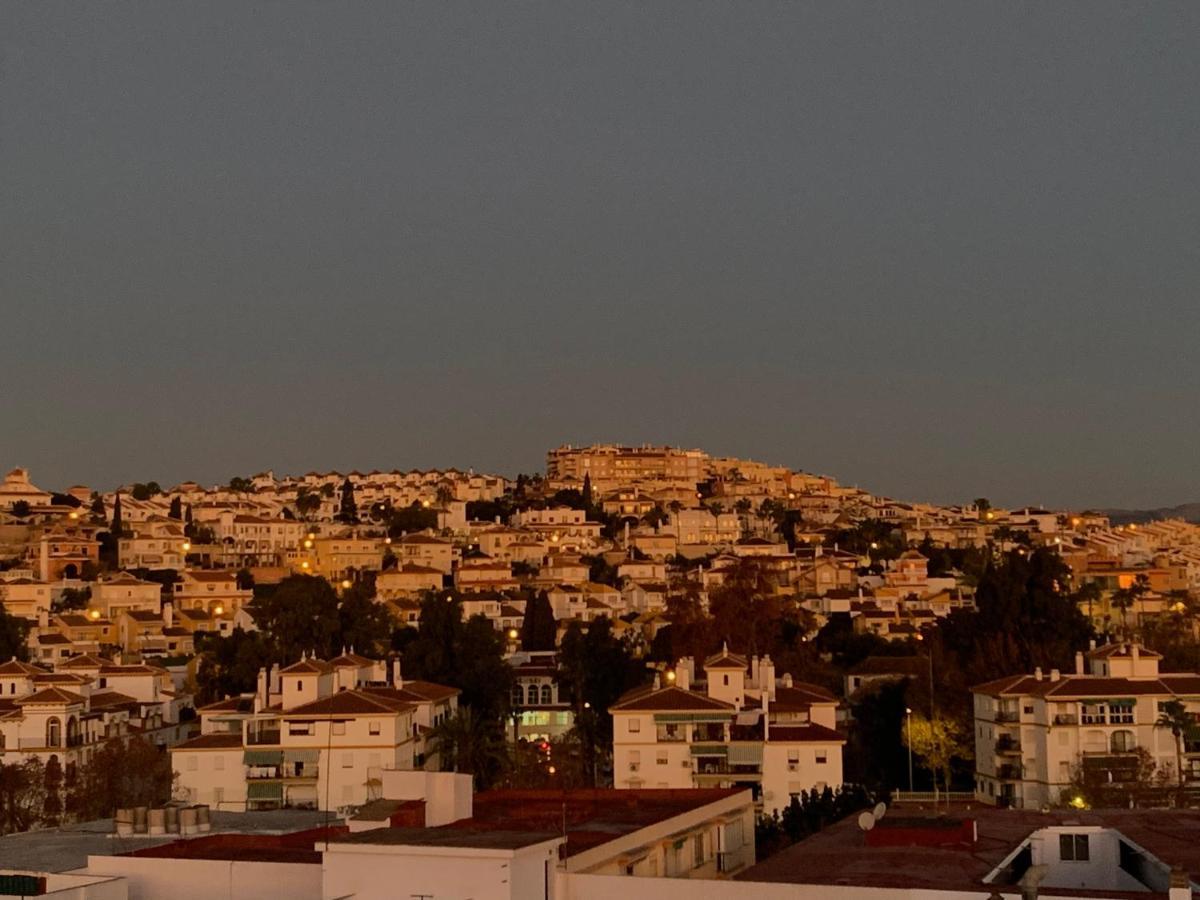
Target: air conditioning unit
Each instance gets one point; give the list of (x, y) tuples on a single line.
[(687, 764)]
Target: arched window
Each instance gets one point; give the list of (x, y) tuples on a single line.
[(1123, 741), (72, 732), (533, 695), (518, 695), (53, 732), (547, 695)]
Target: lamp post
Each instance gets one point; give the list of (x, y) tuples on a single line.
[(908, 727)]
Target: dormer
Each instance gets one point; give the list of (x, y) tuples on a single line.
[(726, 675), (1123, 660)]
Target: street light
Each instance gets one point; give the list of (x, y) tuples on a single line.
[(908, 718)]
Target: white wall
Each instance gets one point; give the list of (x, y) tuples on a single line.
[(153, 878)]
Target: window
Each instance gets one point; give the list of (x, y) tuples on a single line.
[(547, 695), (1073, 848), (822, 757), (533, 695), (518, 695), (698, 850), (300, 729), (299, 685), (793, 760), (339, 728), (193, 762), (1120, 713), (1093, 714), (373, 728), (725, 679), (53, 732), (347, 760), (1122, 741), (635, 725), (218, 763), (661, 759)]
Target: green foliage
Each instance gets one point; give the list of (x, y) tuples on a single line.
[(471, 743), (57, 499), (539, 630), (600, 571), (120, 774), (52, 786), (22, 786), (939, 742), (364, 624), (410, 519), (145, 491), (228, 666), (71, 599), (348, 508), (117, 526), (808, 813), (307, 502), (14, 631), (300, 616), (887, 539), (241, 485), (176, 510), (99, 514), (21, 509)]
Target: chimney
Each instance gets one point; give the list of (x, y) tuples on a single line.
[(1078, 663), (766, 716), (754, 671), (397, 678), (767, 674), (275, 682), (43, 617), (44, 559), (1180, 886), (1037, 674), (1055, 675), (682, 675), (168, 613), (1092, 644), (261, 699)]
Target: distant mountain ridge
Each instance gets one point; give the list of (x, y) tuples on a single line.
[(1189, 512)]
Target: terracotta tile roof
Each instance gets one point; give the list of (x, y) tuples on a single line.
[(229, 704), (726, 660), (51, 696), (800, 695), (667, 700), (16, 667), (812, 733), (110, 700), (85, 661), (308, 667), (349, 703)]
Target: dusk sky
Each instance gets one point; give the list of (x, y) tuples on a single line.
[(938, 250)]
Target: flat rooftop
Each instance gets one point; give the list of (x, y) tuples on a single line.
[(517, 818), (67, 848), (839, 855)]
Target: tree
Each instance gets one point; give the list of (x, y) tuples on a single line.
[(21, 786), (14, 631), (539, 630), (469, 743), (1088, 593), (982, 506), (228, 666), (348, 509), (307, 502), (410, 519), (117, 528), (745, 608), (144, 492), (70, 599), (364, 624), (241, 485), (444, 495), (99, 514), (52, 792), (588, 499), (124, 773), (21, 509), (300, 616), (938, 741), (1173, 716), (176, 510)]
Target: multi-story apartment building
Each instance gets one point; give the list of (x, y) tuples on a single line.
[(612, 466), (315, 734), (1033, 732), (740, 728), (213, 590), (248, 540), (124, 592), (157, 543)]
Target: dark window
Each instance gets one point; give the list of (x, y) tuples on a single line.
[(1073, 847)]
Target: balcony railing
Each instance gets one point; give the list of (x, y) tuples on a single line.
[(262, 737), (1066, 719), (1007, 715), (1008, 745), (1008, 772)]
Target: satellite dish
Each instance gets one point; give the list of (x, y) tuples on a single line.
[(879, 810), (866, 821)]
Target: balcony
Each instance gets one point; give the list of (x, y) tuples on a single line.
[(1007, 745), (1066, 719), (1007, 715), (266, 736), (1009, 772)]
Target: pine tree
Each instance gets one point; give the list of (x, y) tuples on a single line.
[(117, 528), (538, 629), (348, 512), (98, 511), (176, 510), (587, 491)]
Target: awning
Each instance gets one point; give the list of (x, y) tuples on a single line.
[(263, 757), (302, 756), (264, 790), (745, 754)]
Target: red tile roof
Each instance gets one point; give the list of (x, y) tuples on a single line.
[(667, 700)]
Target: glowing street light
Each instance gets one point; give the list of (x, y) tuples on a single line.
[(187, 545), (512, 634), (95, 614), (218, 609), (346, 584)]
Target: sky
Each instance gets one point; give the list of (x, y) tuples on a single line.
[(938, 250)]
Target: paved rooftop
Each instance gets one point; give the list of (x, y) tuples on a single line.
[(64, 849)]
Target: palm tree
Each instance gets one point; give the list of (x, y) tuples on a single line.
[(470, 744), (1122, 599), (1088, 593), (1174, 716)]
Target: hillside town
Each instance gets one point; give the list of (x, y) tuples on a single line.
[(715, 662)]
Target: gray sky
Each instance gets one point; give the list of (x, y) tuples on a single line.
[(938, 250)]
